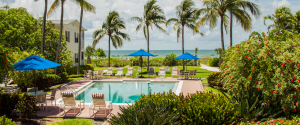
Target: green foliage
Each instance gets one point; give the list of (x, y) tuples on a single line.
[(73, 70), (144, 113), (22, 103), (267, 68), (170, 60), (198, 108), (214, 79), (6, 121), (77, 121), (278, 121), (213, 62), (100, 53)]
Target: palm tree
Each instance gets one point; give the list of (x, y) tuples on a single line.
[(296, 24), (238, 10), (153, 15), (185, 13), (89, 51), (195, 60), (111, 27), (219, 51), (52, 8), (215, 9), (84, 5), (44, 25), (282, 19)]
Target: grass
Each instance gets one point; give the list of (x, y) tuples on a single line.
[(204, 81), (75, 79), (208, 89), (77, 121)]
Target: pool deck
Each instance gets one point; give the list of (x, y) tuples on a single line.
[(189, 86)]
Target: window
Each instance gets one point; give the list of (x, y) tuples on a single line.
[(67, 34), (82, 55), (76, 57), (76, 37)]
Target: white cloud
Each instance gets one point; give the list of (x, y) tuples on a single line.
[(281, 3)]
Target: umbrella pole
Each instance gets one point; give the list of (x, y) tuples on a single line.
[(34, 81)]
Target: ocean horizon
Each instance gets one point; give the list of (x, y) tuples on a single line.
[(160, 53)]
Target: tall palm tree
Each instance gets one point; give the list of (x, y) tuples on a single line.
[(153, 15), (44, 25), (238, 10), (52, 8), (215, 9), (84, 5), (185, 17), (111, 27), (282, 19)]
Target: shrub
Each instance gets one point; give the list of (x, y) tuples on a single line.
[(213, 61), (199, 108), (266, 66), (214, 79), (73, 70), (23, 103), (170, 60), (278, 121), (6, 121)]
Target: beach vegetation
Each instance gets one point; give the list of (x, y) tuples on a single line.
[(214, 62), (100, 53), (153, 16), (89, 51), (282, 19), (112, 27)]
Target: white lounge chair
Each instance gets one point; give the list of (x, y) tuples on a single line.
[(119, 72), (129, 72), (99, 103), (69, 102), (162, 72), (174, 72), (109, 72)]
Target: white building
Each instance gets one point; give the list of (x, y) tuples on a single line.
[(70, 29)]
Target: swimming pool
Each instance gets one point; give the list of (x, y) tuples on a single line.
[(122, 92)]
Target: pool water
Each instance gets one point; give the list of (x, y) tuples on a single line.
[(123, 92)]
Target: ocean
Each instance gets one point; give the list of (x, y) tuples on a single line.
[(159, 53)]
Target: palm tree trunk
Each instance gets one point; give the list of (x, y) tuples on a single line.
[(230, 29), (108, 50), (222, 39), (148, 47), (60, 33), (183, 45), (79, 44), (44, 25)]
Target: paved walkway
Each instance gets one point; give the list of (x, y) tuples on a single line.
[(209, 68)]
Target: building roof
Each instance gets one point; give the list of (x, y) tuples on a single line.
[(67, 22)]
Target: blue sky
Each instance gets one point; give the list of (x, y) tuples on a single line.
[(158, 40)]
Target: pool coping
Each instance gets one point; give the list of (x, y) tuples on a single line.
[(90, 83)]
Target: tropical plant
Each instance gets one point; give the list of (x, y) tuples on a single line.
[(185, 17), (52, 8), (89, 51), (213, 61), (170, 60), (6, 121), (44, 25), (237, 9), (84, 5), (296, 22), (219, 51), (100, 53), (153, 15), (268, 67), (195, 60), (111, 27), (283, 19)]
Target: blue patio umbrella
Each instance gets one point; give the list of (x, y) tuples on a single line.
[(187, 56), (34, 62), (140, 53)]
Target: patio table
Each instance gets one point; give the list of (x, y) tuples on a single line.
[(40, 97), (186, 73)]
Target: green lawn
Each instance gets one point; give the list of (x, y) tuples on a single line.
[(77, 121), (208, 89), (203, 73), (204, 81)]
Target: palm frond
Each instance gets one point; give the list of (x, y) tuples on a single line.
[(53, 7)]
